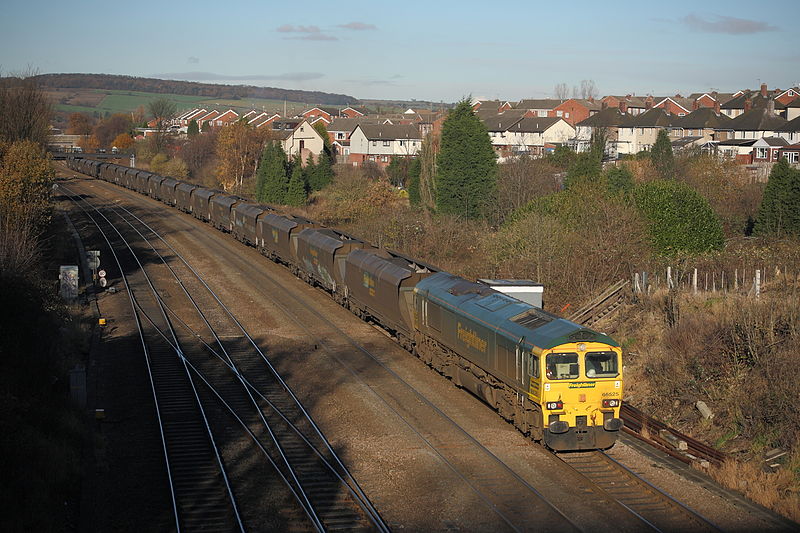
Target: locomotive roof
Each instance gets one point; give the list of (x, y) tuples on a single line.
[(507, 316)]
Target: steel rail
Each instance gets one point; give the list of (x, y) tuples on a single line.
[(179, 352), (351, 482), (146, 352), (229, 362)]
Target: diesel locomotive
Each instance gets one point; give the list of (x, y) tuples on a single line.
[(555, 380)]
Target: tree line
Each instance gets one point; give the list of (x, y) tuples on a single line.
[(189, 88)]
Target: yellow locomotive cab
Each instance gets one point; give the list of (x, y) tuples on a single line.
[(580, 395)]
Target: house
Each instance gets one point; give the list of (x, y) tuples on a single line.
[(263, 119), (496, 106), (325, 113), (539, 107), (225, 119), (675, 105), (354, 112), (575, 110), (339, 133), (610, 119), (791, 153), (189, 116), (638, 133), (633, 105), (712, 99), (298, 138), (747, 100), (788, 96), (790, 131), (382, 143), (756, 123), (705, 122), (740, 150), (530, 135), (207, 117), (765, 150)]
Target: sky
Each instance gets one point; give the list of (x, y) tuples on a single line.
[(437, 50)]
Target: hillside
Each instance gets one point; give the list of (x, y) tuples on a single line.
[(189, 88)]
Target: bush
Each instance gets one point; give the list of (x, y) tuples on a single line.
[(680, 220)]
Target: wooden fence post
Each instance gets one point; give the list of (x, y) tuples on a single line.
[(758, 284), (694, 281)]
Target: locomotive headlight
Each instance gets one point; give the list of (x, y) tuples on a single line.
[(610, 403), (582, 347), (555, 406)]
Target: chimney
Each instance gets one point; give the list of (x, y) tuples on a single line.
[(771, 106), (603, 105), (648, 102), (695, 105), (715, 95), (716, 107), (748, 105), (623, 106), (591, 99), (763, 90)]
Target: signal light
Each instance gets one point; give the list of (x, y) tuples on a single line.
[(611, 403), (555, 406)]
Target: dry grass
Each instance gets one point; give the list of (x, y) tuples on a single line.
[(778, 491)]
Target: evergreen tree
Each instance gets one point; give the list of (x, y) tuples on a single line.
[(466, 175), (681, 220), (206, 127), (588, 166), (414, 171), (562, 157), (662, 157), (296, 193), (780, 208), (619, 180), (323, 174), (271, 177), (310, 171), (192, 129)]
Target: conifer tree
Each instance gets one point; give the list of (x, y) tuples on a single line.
[(296, 193), (661, 156), (310, 171), (323, 173), (780, 208), (271, 177), (192, 129), (466, 174)]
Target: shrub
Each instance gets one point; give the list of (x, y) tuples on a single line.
[(680, 220)]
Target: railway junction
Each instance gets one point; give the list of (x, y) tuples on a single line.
[(238, 398)]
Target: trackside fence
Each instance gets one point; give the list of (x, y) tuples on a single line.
[(744, 281)]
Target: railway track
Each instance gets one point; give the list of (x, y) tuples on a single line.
[(257, 398), (656, 509)]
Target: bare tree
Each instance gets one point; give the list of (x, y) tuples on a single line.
[(25, 110), (561, 91), (163, 111), (589, 89)]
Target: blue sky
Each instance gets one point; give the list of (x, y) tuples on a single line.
[(435, 50)]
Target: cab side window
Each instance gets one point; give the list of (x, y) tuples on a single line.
[(533, 366)]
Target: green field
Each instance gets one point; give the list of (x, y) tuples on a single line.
[(116, 101)]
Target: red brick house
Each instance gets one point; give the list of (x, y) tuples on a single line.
[(325, 113), (225, 119), (575, 110)]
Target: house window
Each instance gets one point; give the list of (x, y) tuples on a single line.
[(793, 157), (681, 114), (566, 115), (340, 135), (385, 159), (761, 153), (386, 143), (402, 143), (542, 113), (374, 143), (559, 113)]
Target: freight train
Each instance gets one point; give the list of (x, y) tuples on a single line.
[(555, 380)]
